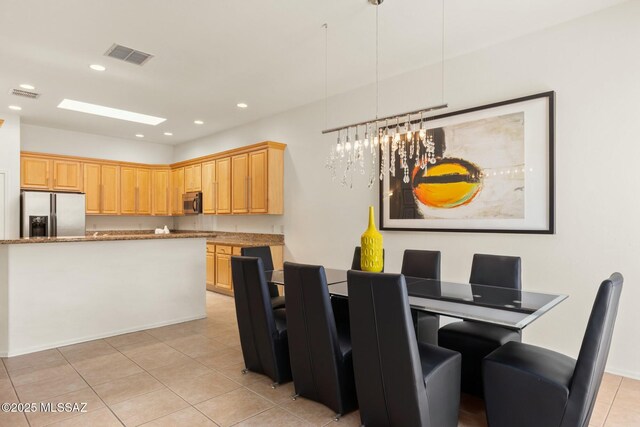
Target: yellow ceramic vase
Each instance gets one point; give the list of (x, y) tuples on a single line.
[(371, 243)]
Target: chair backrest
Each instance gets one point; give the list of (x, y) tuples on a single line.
[(262, 252), (313, 340), (418, 263), (593, 353), (496, 270), (386, 361), (357, 255), (255, 315)]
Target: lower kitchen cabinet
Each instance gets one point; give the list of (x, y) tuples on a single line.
[(211, 267), (219, 277)]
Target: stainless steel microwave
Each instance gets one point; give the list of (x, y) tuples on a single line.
[(192, 203)]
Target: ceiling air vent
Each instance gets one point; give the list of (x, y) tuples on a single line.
[(127, 54), (24, 93)]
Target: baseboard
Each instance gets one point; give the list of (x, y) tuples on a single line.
[(624, 373), (100, 336)]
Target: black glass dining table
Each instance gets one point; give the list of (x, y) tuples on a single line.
[(515, 309)]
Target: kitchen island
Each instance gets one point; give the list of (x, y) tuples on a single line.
[(60, 291)]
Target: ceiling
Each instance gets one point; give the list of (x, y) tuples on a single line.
[(212, 54)]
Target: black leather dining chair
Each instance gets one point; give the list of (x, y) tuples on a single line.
[(263, 330), (424, 264), (321, 362), (400, 382), (357, 255), (264, 253), (529, 386), (475, 340)]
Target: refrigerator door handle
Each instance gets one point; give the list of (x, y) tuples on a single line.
[(53, 232)]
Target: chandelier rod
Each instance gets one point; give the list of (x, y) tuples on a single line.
[(381, 119)]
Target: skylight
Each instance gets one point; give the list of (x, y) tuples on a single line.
[(114, 113)]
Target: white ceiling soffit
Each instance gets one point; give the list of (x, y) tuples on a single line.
[(211, 55)]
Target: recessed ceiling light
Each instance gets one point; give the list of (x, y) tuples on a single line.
[(139, 135), (15, 107), (242, 105), (97, 67), (114, 113), (168, 134), (198, 122), (27, 86)]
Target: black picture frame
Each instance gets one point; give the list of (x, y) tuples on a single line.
[(550, 228)]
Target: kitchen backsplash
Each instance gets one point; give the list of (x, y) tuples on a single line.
[(269, 224), (101, 223)]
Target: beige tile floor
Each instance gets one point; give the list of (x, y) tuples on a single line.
[(189, 375)]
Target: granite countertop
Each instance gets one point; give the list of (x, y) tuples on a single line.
[(106, 237), (246, 239), (222, 238)]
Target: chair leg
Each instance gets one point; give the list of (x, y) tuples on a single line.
[(244, 371), (337, 417), (294, 396), (274, 385)]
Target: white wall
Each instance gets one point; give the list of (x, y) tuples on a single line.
[(10, 164), (593, 66), (57, 141)]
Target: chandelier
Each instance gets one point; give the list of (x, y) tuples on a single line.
[(402, 141)]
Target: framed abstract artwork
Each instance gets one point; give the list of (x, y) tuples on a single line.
[(491, 169)]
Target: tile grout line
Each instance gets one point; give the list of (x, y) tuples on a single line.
[(613, 401), (90, 386), (164, 384), (13, 387)]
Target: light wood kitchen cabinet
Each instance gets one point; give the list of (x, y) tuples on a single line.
[(219, 277), (92, 188), (240, 184), (223, 186), (208, 187), (44, 173), (67, 175), (223, 281), (245, 180), (160, 194), (143, 177), (135, 191), (258, 182), (101, 187), (211, 267), (34, 173), (177, 190), (193, 178), (110, 194)]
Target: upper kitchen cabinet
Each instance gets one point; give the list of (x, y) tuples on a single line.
[(135, 191), (46, 173), (102, 188), (223, 186), (240, 184), (161, 200), (193, 178), (177, 190), (209, 187), (245, 180), (258, 181)]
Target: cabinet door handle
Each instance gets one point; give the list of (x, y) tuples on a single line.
[(249, 193)]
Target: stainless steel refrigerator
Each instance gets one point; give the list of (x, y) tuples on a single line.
[(46, 214)]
